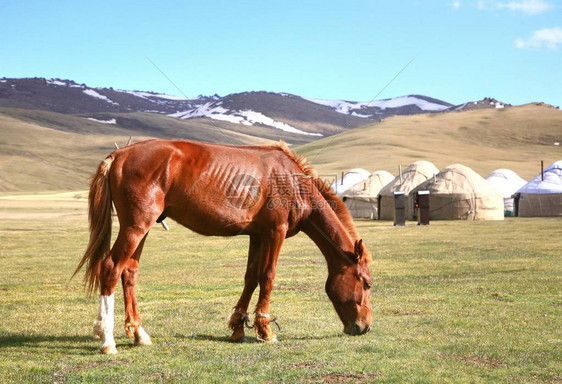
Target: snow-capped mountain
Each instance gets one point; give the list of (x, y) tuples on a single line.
[(380, 108), (69, 97), (251, 108), (292, 114), (215, 110)]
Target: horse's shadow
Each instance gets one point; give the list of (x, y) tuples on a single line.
[(219, 339), (79, 343), (250, 339), (83, 344)]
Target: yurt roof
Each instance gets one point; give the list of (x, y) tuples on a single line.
[(371, 186), (552, 182), (350, 178), (384, 177), (457, 179), (506, 181), (415, 174)]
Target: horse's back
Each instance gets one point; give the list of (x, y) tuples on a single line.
[(212, 189)]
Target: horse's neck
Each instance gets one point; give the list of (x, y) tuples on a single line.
[(326, 230)]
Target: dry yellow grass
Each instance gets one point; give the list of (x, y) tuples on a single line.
[(42, 205), (46, 151), (517, 138), (37, 157)]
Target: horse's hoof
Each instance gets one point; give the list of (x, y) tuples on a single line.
[(238, 339), (272, 340), (142, 342), (108, 350), (238, 335), (142, 338)]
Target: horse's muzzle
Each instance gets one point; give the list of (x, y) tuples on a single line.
[(356, 330)]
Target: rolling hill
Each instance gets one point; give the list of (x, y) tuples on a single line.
[(483, 139), (62, 151), (44, 151)]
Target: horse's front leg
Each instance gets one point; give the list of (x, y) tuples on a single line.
[(240, 316), (269, 253), (129, 277)]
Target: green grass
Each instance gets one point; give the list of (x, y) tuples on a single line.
[(452, 302)]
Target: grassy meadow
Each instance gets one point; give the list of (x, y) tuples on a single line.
[(452, 302)]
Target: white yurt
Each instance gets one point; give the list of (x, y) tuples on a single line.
[(362, 198), (349, 179), (415, 174), (507, 182), (459, 193), (542, 196)]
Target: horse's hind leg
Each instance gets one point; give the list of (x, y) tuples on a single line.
[(123, 249), (240, 315), (129, 277)]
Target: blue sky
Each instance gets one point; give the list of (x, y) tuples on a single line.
[(462, 50)]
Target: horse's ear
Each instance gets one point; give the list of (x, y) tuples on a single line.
[(358, 251)]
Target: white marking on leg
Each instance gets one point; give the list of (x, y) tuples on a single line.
[(103, 326), (142, 338)]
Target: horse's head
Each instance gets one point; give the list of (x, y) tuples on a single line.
[(349, 289)]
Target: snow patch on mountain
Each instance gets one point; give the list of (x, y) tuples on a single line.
[(215, 111), (360, 115), (92, 93), (407, 100), (56, 82), (61, 83), (148, 95), (111, 121), (340, 106), (354, 108), (497, 104)]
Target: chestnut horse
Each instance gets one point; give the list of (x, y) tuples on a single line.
[(265, 192)]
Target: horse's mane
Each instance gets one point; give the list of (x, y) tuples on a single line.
[(337, 205), (300, 160)]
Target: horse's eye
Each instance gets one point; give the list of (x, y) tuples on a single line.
[(367, 284)]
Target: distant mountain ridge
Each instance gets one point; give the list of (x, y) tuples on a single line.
[(69, 97), (291, 117), (293, 114), (403, 105)]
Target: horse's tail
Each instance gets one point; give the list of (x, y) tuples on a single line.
[(99, 215)]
